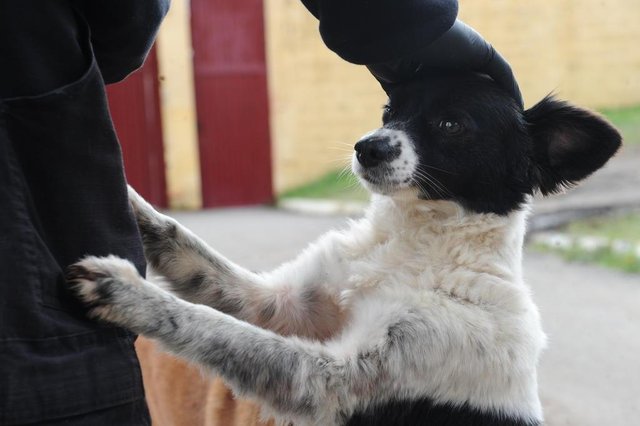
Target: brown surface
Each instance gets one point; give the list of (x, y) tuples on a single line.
[(180, 394)]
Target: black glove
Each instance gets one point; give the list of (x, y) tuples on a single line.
[(459, 48), (367, 32), (398, 38)]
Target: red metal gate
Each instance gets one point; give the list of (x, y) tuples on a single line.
[(135, 109), (231, 101)]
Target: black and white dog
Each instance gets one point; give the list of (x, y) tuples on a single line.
[(416, 314)]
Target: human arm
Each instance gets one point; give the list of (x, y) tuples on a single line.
[(122, 32)]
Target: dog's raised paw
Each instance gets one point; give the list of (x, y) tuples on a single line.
[(139, 205), (101, 282), (146, 216)]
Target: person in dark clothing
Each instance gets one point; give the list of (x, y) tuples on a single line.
[(63, 191), (63, 196)]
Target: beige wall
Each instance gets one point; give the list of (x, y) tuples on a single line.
[(587, 51), (178, 109), (320, 105)]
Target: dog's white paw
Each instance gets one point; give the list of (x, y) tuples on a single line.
[(149, 220), (158, 231), (107, 285), (141, 208)]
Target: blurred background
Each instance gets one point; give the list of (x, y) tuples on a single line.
[(241, 104), (240, 100)]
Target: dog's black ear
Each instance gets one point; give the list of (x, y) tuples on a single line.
[(570, 143)]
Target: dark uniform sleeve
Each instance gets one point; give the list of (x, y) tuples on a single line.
[(400, 39), (122, 32), (42, 42), (40, 47), (375, 31)]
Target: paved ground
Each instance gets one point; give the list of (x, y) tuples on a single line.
[(590, 373), (617, 184), (615, 187), (589, 376)]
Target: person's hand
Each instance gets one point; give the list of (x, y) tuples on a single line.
[(397, 40), (460, 48)]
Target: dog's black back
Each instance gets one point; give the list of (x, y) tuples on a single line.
[(426, 412)]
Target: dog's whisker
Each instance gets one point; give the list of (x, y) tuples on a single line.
[(439, 169), (343, 160), (340, 162), (345, 174), (341, 149), (424, 187), (421, 188), (433, 183)]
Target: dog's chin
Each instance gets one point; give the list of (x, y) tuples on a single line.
[(387, 186), (379, 188)]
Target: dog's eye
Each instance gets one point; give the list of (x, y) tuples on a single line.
[(450, 127), (387, 112)]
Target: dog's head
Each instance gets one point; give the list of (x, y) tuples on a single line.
[(461, 138)]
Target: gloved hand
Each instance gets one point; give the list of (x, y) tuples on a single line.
[(459, 48), (397, 39)]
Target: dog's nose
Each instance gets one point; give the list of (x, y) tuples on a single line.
[(374, 150)]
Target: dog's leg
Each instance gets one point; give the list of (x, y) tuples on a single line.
[(298, 378), (287, 301), (194, 271)]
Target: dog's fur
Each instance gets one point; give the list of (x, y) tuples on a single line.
[(415, 314)]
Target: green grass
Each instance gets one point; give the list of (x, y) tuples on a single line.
[(604, 257), (621, 228), (334, 185), (608, 258), (626, 227), (627, 120)]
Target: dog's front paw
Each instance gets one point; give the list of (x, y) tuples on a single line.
[(109, 286), (157, 230), (143, 211)]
